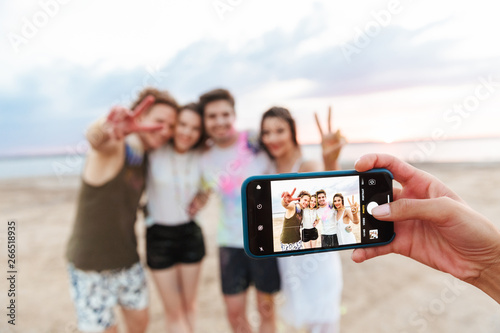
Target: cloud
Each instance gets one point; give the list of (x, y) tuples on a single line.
[(60, 92)]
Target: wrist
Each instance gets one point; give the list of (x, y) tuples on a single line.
[(489, 282), (97, 133)]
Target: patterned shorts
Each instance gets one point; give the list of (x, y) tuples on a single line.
[(291, 246), (95, 294)]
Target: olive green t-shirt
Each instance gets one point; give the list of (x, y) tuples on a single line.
[(291, 229), (103, 236)]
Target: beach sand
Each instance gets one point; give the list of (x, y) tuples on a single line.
[(387, 294)]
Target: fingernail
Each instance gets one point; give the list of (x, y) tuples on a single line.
[(380, 211), (359, 159)]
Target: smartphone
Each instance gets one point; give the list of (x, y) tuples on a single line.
[(291, 214)]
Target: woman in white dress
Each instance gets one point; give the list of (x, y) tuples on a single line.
[(312, 284), (344, 217), (174, 241), (309, 221)]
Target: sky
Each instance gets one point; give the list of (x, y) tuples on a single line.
[(347, 186), (392, 70)]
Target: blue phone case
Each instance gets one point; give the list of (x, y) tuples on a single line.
[(301, 175)]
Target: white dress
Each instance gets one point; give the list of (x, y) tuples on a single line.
[(345, 237), (311, 289)]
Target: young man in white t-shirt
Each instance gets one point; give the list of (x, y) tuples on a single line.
[(326, 213), (231, 159)]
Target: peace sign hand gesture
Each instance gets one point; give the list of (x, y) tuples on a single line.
[(354, 205), (287, 198), (331, 143), (121, 121)]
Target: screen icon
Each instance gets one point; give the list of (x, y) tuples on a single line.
[(259, 206), (372, 182), (260, 227), (374, 234), (258, 187)]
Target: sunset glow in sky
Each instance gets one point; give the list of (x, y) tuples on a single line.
[(392, 70)]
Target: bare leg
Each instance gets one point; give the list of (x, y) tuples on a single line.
[(265, 305), (167, 282), (307, 245), (236, 312), (135, 320), (313, 243), (189, 278)]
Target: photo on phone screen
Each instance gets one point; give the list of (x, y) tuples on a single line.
[(326, 213), (312, 212)]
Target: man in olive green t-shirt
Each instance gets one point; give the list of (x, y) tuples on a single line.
[(104, 264)]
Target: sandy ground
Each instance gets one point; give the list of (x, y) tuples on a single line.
[(387, 294)]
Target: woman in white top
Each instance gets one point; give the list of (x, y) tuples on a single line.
[(343, 217), (175, 245), (309, 221), (312, 284)]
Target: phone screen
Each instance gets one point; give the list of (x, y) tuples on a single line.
[(290, 214)]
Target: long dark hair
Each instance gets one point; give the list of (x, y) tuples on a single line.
[(341, 197), (196, 109), (281, 113)]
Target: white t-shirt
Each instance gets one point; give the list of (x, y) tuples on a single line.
[(308, 218), (224, 170), (327, 216), (172, 182)]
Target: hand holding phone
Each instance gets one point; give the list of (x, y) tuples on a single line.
[(274, 226)]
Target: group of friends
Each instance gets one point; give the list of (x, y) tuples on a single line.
[(179, 156), (313, 216)]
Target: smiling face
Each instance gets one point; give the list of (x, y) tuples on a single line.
[(322, 199), (338, 202), (188, 130), (312, 203), (159, 114), (304, 201), (219, 120), (277, 136)]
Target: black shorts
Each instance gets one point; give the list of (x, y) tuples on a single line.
[(329, 240), (309, 234), (170, 245), (238, 271)]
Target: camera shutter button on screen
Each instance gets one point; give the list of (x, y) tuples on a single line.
[(370, 206)]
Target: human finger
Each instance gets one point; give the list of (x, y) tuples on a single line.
[(291, 194), (318, 123), (112, 115), (437, 210), (396, 194), (329, 119), (147, 128), (402, 171), (360, 255), (143, 105)]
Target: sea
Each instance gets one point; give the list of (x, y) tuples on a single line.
[(482, 150)]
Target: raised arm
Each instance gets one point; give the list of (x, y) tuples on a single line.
[(287, 200), (107, 133), (353, 213), (331, 143)]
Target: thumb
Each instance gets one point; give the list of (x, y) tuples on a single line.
[(437, 210)]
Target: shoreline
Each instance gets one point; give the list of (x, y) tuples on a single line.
[(344, 166)]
